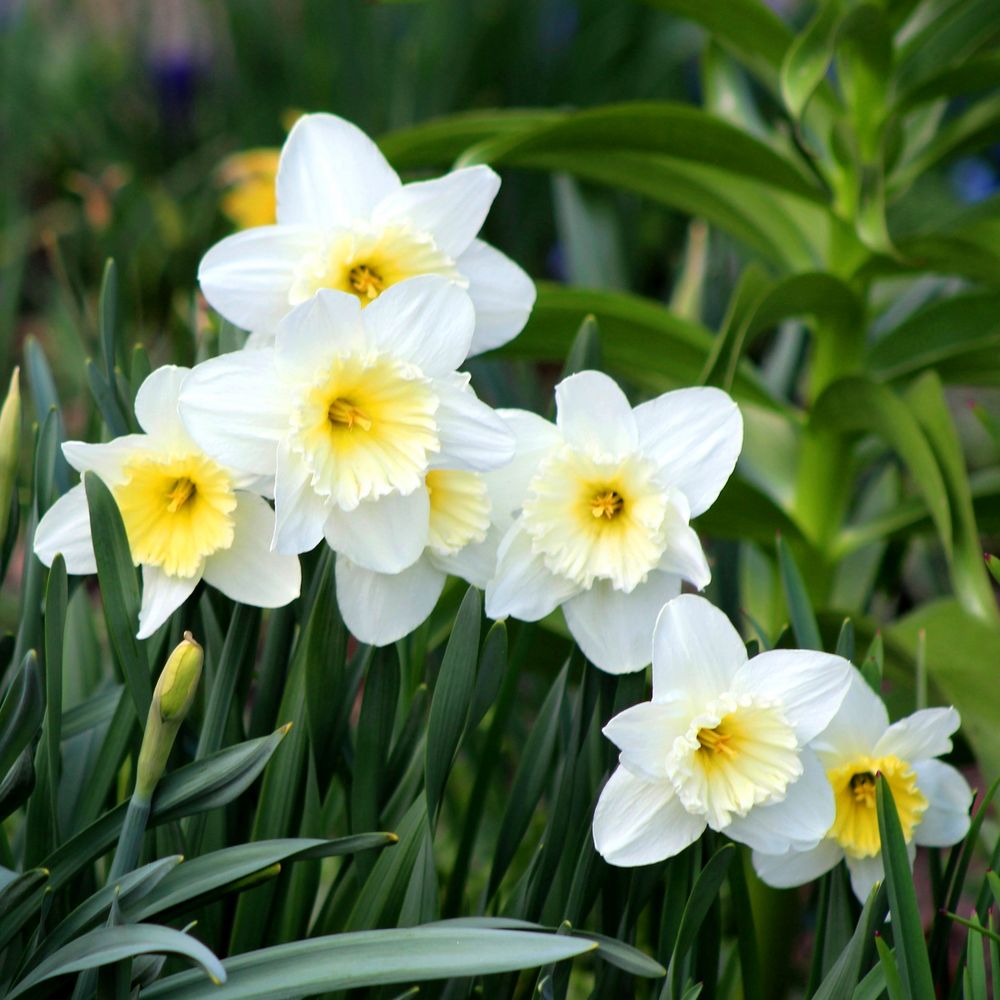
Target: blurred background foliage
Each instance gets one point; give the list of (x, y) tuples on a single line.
[(797, 202)]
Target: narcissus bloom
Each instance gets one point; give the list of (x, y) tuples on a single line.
[(380, 608), (605, 498), (345, 222), (722, 744), (932, 799), (187, 517), (349, 411)]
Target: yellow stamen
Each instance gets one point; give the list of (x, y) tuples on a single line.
[(366, 281), (716, 741), (345, 413), (608, 503), (856, 825), (182, 491)]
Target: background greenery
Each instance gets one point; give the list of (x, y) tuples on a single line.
[(798, 205)]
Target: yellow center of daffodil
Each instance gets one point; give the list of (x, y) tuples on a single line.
[(592, 519), (365, 429), (856, 825), (738, 754), (176, 511), (460, 510), (366, 262)]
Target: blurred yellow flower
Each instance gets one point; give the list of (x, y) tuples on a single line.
[(248, 177)]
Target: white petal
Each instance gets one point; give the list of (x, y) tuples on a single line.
[(299, 513), (695, 435), (162, 595), (472, 435), (783, 871), (695, 650), (234, 408), (501, 292), (615, 629), (379, 608), (594, 415), (638, 822), (645, 734), (156, 405), (865, 872), (384, 535), (65, 528), (523, 588), (247, 276), (534, 438), (425, 320), (248, 571), (106, 459), (949, 800), (857, 726), (683, 554), (799, 822), (313, 333), (330, 173), (810, 686), (452, 208), (923, 734), (474, 563)]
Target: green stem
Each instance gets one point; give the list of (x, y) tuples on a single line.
[(130, 841)]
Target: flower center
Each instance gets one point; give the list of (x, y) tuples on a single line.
[(460, 510), (592, 519), (344, 413), (366, 428), (856, 825), (365, 281), (608, 504), (365, 261), (741, 752), (176, 511)]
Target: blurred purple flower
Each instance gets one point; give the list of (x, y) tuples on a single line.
[(974, 179)]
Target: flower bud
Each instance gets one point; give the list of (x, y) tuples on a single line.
[(172, 699), (10, 447)]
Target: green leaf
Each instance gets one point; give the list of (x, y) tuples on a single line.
[(56, 599), (119, 590), (858, 404), (533, 773), (703, 895), (908, 932), (452, 698), (585, 351), (800, 610), (843, 977), (490, 674), (864, 69), (808, 58), (373, 958), (21, 712), (112, 944), (641, 340), (659, 128), (107, 309), (890, 971), (21, 893)]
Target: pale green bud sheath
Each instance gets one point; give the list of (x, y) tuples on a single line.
[(10, 447), (172, 699)]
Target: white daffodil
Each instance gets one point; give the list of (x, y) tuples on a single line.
[(345, 222), (349, 411), (186, 516), (605, 498), (380, 608), (721, 745), (932, 799)]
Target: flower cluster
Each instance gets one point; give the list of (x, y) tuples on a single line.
[(348, 408)]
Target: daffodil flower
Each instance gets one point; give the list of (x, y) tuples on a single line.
[(932, 799), (722, 744), (349, 412), (346, 222), (380, 608), (186, 516), (605, 497)]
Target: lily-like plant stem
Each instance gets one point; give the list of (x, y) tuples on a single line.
[(172, 698)]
